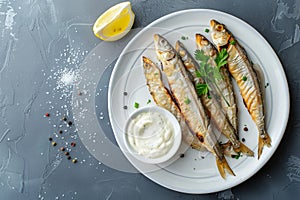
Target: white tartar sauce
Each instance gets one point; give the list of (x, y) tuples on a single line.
[(150, 134)]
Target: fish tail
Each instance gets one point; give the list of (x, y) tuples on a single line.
[(244, 149), (223, 166), (262, 141)]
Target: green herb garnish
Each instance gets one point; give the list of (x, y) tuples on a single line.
[(210, 74), (206, 30), (136, 105), (187, 101), (149, 101), (244, 78), (156, 73), (201, 89), (237, 156), (232, 42), (184, 37), (198, 75), (221, 58)]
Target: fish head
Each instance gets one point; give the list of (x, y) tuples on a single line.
[(164, 50), (204, 45), (219, 34)]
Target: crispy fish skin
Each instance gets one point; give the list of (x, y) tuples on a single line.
[(242, 71), (211, 104), (188, 102), (225, 88), (162, 98)]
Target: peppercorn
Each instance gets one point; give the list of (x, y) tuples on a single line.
[(60, 132), (50, 139), (47, 114), (67, 153), (73, 144), (64, 118), (74, 160), (62, 149), (54, 144), (70, 123), (69, 157)]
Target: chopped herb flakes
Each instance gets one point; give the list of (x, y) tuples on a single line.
[(136, 105), (184, 37), (232, 42), (187, 101), (244, 78), (149, 101), (206, 30), (237, 156)]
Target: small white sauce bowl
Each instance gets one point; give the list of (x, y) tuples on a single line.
[(177, 135)]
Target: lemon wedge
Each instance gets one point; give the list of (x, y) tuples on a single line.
[(114, 23)]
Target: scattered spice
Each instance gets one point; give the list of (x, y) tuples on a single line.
[(74, 160), (194, 168), (125, 107), (47, 114), (67, 153), (79, 93), (60, 132), (125, 93), (245, 129), (73, 144), (50, 139), (243, 139), (62, 149), (69, 157), (70, 123), (267, 84), (182, 155), (64, 118), (54, 144)]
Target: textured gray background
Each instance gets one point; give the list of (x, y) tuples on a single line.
[(41, 38)]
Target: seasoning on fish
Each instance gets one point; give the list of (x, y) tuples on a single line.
[(162, 98), (240, 66), (211, 104), (193, 112)]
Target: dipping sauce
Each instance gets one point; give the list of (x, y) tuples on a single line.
[(150, 134)]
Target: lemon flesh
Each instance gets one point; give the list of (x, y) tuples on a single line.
[(115, 23)]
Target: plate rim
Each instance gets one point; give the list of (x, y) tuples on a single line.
[(277, 60)]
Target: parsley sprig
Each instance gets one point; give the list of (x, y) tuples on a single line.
[(209, 73), (221, 58)]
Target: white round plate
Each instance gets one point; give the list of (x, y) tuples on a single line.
[(192, 174)]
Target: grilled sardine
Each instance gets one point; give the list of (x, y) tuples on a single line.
[(190, 106), (211, 103), (242, 71)]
